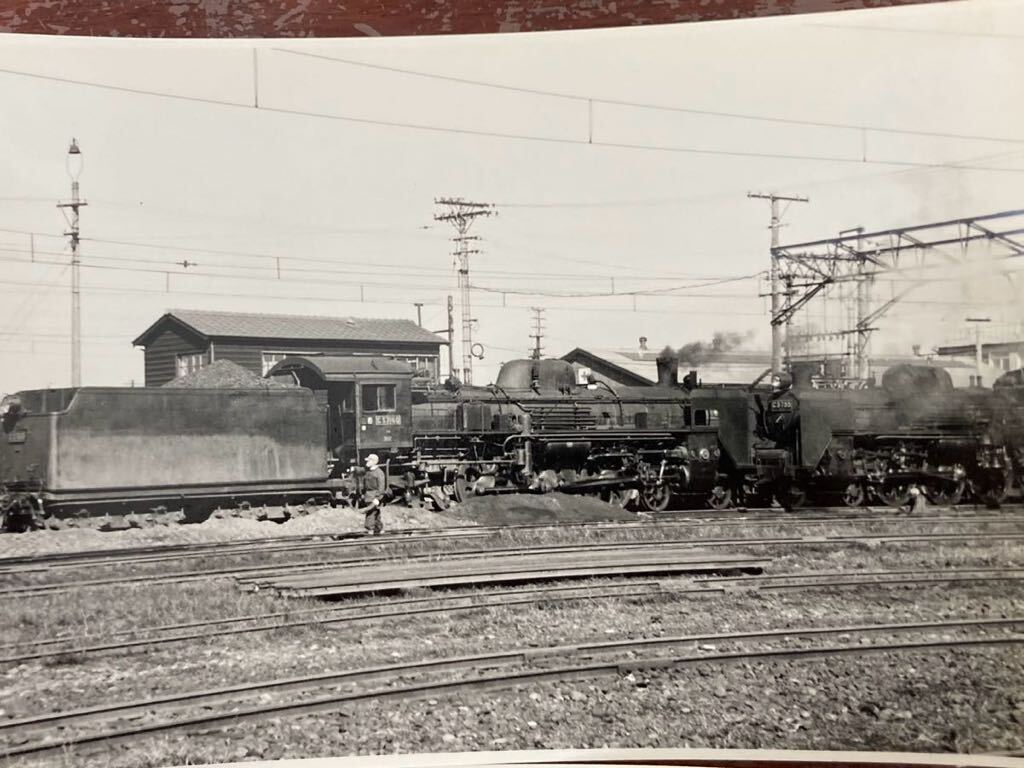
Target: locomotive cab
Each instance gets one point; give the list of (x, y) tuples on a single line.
[(368, 401)]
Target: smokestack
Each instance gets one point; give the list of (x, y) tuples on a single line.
[(668, 369)]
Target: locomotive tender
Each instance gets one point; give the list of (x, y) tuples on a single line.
[(541, 426), (90, 452)]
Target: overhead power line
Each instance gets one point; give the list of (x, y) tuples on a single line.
[(277, 264), (652, 106), (564, 141), (168, 272)]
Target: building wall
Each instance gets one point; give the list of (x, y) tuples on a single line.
[(161, 357), (249, 353)]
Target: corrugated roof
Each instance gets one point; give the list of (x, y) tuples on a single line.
[(316, 327)]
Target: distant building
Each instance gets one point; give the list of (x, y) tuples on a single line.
[(1001, 346), (184, 340)]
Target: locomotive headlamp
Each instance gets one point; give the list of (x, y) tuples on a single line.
[(705, 454)]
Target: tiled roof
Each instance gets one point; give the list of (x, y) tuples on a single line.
[(325, 328)]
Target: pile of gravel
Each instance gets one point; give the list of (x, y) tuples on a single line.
[(522, 508), (224, 374)]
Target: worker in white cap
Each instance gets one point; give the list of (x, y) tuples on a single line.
[(374, 485)]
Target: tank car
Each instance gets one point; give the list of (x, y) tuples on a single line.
[(915, 429), (94, 451)]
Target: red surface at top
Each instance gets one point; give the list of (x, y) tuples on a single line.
[(330, 18)]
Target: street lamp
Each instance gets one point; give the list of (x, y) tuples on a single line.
[(977, 343), (74, 161)]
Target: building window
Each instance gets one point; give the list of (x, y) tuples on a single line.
[(378, 397), (421, 364), (270, 359), (190, 363)]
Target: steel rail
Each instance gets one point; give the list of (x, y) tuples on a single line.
[(459, 564), (107, 557), (335, 617), (258, 574), (501, 681), (879, 538), (60, 587)]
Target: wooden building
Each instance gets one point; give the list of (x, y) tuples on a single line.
[(184, 340)]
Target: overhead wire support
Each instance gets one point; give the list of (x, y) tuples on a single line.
[(780, 322), (894, 254), (538, 332), (461, 214)]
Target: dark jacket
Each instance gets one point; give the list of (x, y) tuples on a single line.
[(373, 485)]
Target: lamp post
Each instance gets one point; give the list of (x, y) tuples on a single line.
[(977, 343), (74, 164)]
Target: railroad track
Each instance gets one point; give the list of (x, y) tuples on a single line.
[(404, 608), (254, 574), (326, 541), (124, 722)]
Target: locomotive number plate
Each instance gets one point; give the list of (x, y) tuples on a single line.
[(780, 405), (17, 436), (388, 420)]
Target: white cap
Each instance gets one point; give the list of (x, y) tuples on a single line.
[(372, 459)]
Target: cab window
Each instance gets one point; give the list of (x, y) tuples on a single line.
[(378, 397)]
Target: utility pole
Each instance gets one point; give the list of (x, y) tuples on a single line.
[(461, 214), (451, 337), (778, 329), (74, 168), (538, 331)]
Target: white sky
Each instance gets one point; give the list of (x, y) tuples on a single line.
[(355, 200)]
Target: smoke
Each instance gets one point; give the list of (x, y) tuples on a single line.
[(698, 352)]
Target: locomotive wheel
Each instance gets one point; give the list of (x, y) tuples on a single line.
[(655, 498), (463, 489), (440, 500), (944, 493), (992, 491), (720, 497), (895, 494), (853, 495), (617, 498)]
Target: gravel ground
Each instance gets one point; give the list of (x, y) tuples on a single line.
[(34, 687), (941, 700), (322, 520)]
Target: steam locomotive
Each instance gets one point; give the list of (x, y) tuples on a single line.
[(879, 442), (541, 426), (544, 425)]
